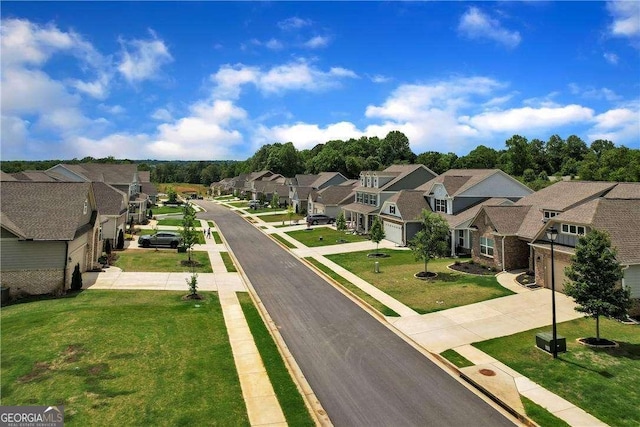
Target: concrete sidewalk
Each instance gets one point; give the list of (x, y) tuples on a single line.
[(458, 327), (263, 408)]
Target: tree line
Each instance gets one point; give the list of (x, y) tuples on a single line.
[(532, 161)]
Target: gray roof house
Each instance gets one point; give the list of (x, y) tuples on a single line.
[(457, 196), (515, 236), (112, 207), (330, 200), (302, 185), (47, 228), (124, 177), (376, 187)]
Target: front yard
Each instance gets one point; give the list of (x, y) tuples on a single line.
[(323, 236), (449, 289), (122, 358), (603, 382), (162, 260)]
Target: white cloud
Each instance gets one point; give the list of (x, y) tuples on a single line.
[(317, 42), (298, 75), (304, 135), (626, 18), (611, 58), (142, 59), (378, 78), (520, 120), (618, 125), (294, 23), (594, 93), (475, 24), (274, 44), (162, 114), (112, 109)]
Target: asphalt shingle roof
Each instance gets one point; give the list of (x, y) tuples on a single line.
[(105, 172), (109, 200), (43, 210), (457, 181)]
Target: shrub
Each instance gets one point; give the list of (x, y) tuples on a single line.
[(120, 244), (76, 279), (192, 282)]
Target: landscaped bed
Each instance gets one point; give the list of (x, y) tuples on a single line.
[(396, 278), (162, 260), (330, 236), (281, 217), (603, 382), (122, 358)]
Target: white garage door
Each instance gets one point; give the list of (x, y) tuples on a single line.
[(632, 280), (393, 232), (559, 267)]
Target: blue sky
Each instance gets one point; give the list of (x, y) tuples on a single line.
[(217, 80)]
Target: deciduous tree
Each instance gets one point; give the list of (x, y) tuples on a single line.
[(431, 240)]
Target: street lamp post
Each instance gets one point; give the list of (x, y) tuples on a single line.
[(552, 235)]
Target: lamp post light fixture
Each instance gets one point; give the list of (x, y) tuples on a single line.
[(552, 235)]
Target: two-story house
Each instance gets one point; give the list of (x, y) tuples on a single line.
[(301, 186), (376, 187), (330, 200), (456, 195)]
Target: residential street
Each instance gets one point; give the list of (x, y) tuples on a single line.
[(362, 372)]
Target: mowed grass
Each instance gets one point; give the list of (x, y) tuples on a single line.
[(377, 305), (149, 231), (281, 217), (122, 358), (330, 236), (228, 262), (603, 382), (162, 210), (293, 407), (450, 289), (162, 260), (284, 241), (173, 222)]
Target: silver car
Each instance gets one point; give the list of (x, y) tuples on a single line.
[(161, 238), (320, 219)]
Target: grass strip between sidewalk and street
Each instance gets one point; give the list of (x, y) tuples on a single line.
[(283, 241), (603, 382), (228, 262), (161, 260), (292, 403), (324, 236), (456, 358), (122, 358), (377, 305), (540, 415)]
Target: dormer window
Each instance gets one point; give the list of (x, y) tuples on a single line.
[(392, 209), (440, 205), (549, 214), (576, 230)]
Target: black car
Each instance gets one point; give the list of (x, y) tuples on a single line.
[(315, 219), (161, 238)]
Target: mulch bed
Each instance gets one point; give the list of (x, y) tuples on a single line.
[(597, 343), (527, 280), (472, 268)]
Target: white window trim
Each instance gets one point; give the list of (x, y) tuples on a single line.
[(437, 207), (486, 246), (566, 229)]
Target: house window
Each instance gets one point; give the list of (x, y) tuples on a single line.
[(486, 246), (549, 214), (366, 199), (440, 205), (461, 238), (573, 229), (368, 181), (373, 199), (359, 197), (392, 209)]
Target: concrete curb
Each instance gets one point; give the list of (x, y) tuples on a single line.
[(316, 411)]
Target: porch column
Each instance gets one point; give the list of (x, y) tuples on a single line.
[(453, 242)]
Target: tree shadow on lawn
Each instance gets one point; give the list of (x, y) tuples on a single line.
[(624, 350)]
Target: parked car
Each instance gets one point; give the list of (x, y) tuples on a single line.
[(254, 204), (161, 238), (315, 219)]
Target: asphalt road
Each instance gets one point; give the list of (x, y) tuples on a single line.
[(362, 373)]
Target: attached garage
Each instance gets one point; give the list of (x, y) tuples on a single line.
[(558, 270), (394, 233), (631, 280)]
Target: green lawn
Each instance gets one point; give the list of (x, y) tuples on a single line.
[(283, 241), (281, 217), (260, 210), (456, 358), (383, 309), (173, 222), (162, 260), (148, 231), (603, 382), (330, 236), (122, 358), (240, 204), (449, 289), (293, 406), (228, 262), (161, 210), (216, 237)]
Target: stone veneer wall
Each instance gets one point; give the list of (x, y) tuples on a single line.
[(33, 282)]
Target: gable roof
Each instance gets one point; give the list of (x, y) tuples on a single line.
[(618, 217), (109, 200), (506, 220), (304, 180), (323, 177), (103, 172), (409, 203), (43, 210), (457, 181), (624, 190), (334, 195), (564, 195), (6, 177), (29, 175), (468, 214)]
